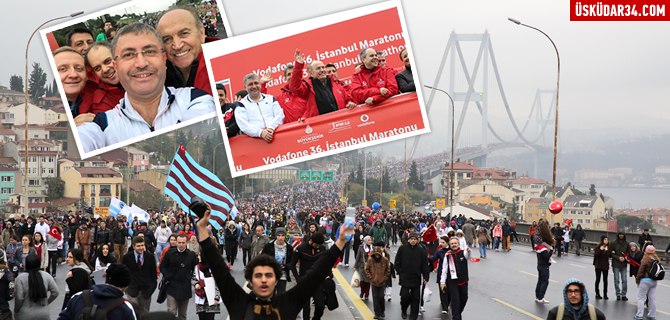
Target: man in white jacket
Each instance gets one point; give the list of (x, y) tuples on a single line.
[(162, 238), (257, 114)]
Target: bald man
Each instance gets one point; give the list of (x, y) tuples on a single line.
[(183, 35), (373, 83), (322, 93)]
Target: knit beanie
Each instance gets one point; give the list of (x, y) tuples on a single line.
[(118, 275), (650, 249)]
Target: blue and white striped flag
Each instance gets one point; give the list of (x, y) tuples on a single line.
[(187, 178), (115, 207)]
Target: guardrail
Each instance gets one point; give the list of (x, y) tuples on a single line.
[(588, 247)]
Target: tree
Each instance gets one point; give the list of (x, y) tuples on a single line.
[(359, 174), (373, 185), (395, 186), (16, 83), (632, 223), (352, 177), (592, 190), (386, 182), (414, 181), (54, 89), (37, 82), (55, 188), (207, 151)]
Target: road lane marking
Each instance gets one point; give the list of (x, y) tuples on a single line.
[(517, 309), (363, 309), (663, 312), (534, 275), (665, 285), (578, 266)]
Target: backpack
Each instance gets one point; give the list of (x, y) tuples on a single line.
[(95, 312), (561, 311), (656, 272)]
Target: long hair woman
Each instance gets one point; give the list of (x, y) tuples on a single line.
[(646, 286), (79, 278), (32, 301), (544, 251), (21, 254), (246, 238), (41, 248), (362, 256), (601, 261)]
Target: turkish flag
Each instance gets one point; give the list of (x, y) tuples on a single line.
[(54, 233), (430, 235)]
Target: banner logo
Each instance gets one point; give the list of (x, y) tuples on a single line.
[(365, 118), (308, 130)]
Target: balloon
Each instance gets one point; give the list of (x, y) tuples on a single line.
[(555, 207), (375, 206)]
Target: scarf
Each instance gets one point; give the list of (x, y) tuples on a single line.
[(452, 265)]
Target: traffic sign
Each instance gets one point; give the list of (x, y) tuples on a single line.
[(440, 203), (365, 202), (392, 204), (343, 199), (305, 175)]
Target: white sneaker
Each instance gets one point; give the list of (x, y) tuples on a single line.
[(422, 309), (552, 260), (444, 312), (346, 265)]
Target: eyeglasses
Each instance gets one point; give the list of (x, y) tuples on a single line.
[(130, 55), (569, 292)]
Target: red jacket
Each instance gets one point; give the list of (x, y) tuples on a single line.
[(304, 90), (200, 80), (294, 107), (367, 83), (104, 98)]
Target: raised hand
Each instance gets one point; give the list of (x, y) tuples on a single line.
[(299, 58)]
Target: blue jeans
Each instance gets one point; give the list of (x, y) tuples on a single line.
[(482, 250), (620, 273), (65, 249), (159, 248), (496, 242), (542, 282)]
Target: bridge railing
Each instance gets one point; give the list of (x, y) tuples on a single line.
[(588, 245)]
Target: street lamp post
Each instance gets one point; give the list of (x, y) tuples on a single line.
[(451, 174), (200, 138), (25, 178), (558, 78)]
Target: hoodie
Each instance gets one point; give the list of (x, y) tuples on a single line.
[(618, 248), (578, 234), (378, 232), (377, 269), (580, 312), (101, 295)]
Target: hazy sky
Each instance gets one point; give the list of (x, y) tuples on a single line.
[(614, 75)]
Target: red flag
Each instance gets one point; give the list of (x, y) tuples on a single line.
[(54, 233), (430, 234), (474, 260)]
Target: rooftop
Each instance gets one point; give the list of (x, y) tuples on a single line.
[(90, 172)]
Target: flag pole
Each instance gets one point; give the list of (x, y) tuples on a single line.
[(166, 178)]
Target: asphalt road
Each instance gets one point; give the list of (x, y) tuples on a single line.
[(500, 287), (503, 287)]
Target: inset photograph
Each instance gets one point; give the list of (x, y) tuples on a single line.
[(135, 70), (316, 88)]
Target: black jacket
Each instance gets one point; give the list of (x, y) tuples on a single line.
[(284, 305), (642, 239), (142, 279), (578, 234), (6, 278), (439, 255), (269, 249), (230, 237), (411, 263), (103, 236), (178, 268), (25, 229), (405, 80), (119, 235), (228, 112), (307, 256)]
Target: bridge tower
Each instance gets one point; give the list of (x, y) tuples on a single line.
[(477, 92)]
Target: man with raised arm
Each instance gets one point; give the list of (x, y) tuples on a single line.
[(263, 273), (322, 93)]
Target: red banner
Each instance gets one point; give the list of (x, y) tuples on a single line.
[(338, 43), (619, 10), (329, 132)]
